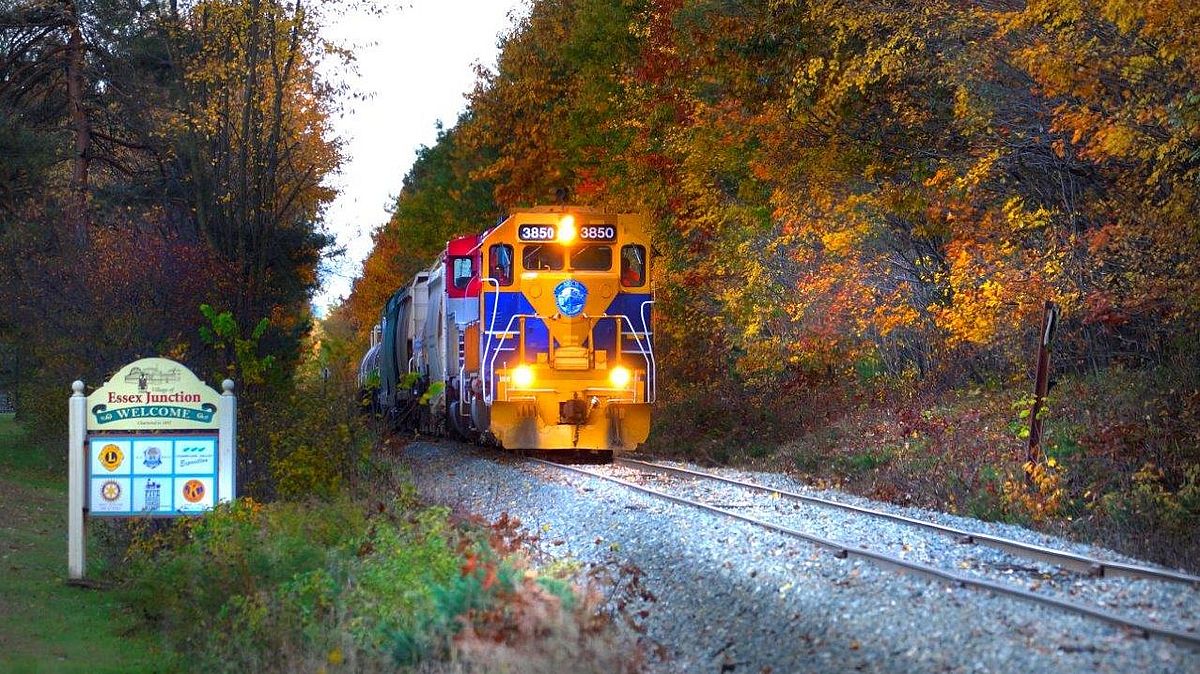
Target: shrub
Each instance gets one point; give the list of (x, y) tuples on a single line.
[(291, 587)]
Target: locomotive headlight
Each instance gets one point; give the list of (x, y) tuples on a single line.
[(619, 376), (522, 376), (566, 229)]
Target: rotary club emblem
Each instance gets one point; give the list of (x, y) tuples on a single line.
[(110, 491)]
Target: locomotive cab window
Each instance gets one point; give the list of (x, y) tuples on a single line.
[(633, 266), (542, 257), (593, 257), (500, 257), (463, 272)]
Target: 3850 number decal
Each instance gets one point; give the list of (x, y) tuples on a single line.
[(536, 232), (598, 233)]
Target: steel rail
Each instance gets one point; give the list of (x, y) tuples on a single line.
[(842, 551), (1068, 560)]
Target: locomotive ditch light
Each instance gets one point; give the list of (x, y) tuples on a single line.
[(566, 229), (522, 376), (619, 376)]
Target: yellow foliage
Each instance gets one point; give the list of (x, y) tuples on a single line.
[(1043, 498)]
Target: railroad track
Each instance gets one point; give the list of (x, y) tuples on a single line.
[(1081, 565)]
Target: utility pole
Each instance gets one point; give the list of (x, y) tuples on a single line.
[(1042, 383)]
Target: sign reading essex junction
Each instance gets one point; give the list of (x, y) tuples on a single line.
[(153, 441), (153, 394)]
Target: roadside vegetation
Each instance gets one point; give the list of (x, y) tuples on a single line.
[(1121, 464), (306, 587)]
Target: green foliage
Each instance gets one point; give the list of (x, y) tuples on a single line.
[(435, 389), (1150, 504), (865, 462), (300, 587), (409, 380), (241, 354)]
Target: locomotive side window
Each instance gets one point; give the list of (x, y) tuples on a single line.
[(633, 266), (500, 256), (542, 257), (592, 258), (462, 272)]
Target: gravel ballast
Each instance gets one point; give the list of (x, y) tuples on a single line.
[(734, 597)]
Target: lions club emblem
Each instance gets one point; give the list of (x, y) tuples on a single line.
[(111, 457), (570, 297)]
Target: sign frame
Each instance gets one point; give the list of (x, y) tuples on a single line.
[(146, 407)]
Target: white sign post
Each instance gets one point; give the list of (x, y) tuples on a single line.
[(77, 486), (153, 441)]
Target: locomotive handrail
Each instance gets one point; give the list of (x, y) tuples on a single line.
[(492, 362), (491, 328), (462, 388), (646, 354), (488, 362), (652, 385)]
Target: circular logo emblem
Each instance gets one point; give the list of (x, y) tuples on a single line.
[(111, 457), (570, 296), (193, 491), (110, 491), (153, 457)]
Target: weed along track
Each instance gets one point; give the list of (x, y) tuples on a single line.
[(1148, 601)]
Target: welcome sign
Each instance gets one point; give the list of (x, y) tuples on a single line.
[(153, 394), (153, 441)]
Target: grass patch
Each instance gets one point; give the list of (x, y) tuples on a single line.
[(46, 625), (27, 461)]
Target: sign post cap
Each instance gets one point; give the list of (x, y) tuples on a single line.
[(227, 386), (77, 387)]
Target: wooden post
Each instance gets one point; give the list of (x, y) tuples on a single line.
[(1042, 383), (226, 444), (76, 484)]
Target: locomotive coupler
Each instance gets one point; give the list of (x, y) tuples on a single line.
[(575, 411)]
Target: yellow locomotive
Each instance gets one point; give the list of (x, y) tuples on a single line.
[(539, 331)]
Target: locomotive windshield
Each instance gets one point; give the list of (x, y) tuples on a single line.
[(592, 258), (633, 266), (549, 257), (463, 271), (542, 257)]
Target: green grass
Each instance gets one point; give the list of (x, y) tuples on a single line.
[(46, 625)]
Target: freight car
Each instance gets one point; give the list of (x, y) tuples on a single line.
[(535, 334)]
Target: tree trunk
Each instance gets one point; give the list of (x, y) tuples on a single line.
[(77, 211)]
